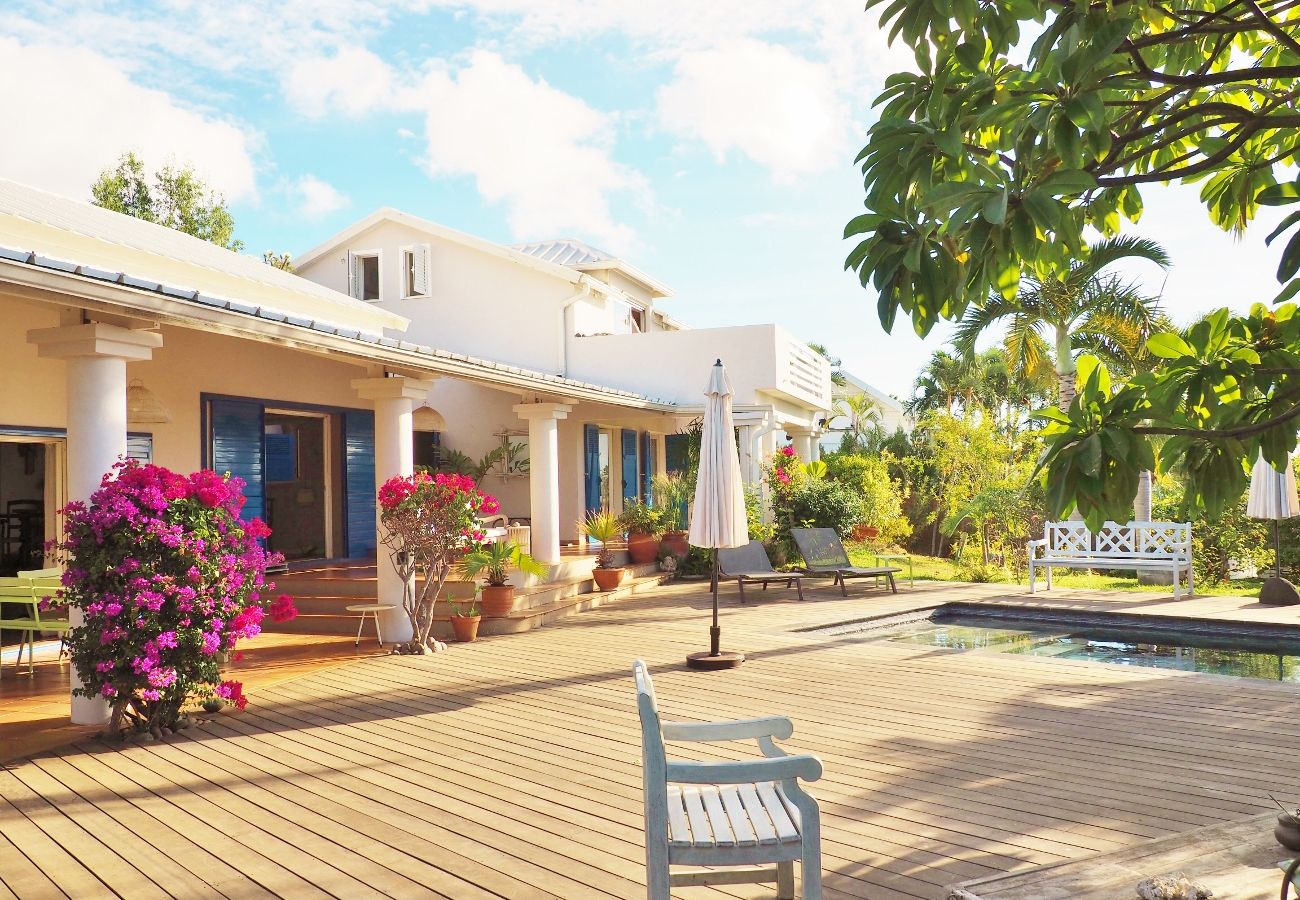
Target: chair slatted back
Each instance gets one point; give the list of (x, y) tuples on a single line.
[(750, 559), (820, 547)]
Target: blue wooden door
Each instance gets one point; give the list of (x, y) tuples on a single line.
[(631, 473), (647, 467), (591, 465), (235, 427), (359, 482)]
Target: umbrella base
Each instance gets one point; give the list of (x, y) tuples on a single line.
[(709, 662), (1279, 592)]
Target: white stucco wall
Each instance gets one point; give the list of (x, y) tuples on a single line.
[(479, 304), (675, 365)]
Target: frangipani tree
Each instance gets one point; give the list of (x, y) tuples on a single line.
[(1028, 125)]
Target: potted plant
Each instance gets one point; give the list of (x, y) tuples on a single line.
[(673, 494), (494, 561), (464, 621), (642, 523), (603, 526)]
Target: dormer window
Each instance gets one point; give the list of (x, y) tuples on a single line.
[(364, 276)]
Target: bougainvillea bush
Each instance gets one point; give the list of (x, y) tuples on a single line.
[(168, 577), (429, 522)]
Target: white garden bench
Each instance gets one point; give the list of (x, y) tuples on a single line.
[(1149, 546), (726, 813)]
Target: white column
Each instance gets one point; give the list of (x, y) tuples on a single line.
[(803, 444), (544, 475), (394, 400), (96, 356)]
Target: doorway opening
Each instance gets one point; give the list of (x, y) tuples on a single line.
[(300, 457)]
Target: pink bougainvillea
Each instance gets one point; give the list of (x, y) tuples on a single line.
[(428, 522), (168, 577)]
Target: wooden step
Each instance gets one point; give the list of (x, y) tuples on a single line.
[(534, 606)]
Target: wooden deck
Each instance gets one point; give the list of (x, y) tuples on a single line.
[(510, 768)]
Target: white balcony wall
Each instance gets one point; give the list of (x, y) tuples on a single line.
[(763, 361)]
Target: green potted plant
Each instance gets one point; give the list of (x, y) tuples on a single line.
[(494, 561), (642, 523), (465, 617), (672, 495), (603, 526)]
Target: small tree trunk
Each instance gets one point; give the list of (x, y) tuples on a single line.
[(1065, 368)]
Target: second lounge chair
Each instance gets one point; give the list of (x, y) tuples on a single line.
[(824, 554)]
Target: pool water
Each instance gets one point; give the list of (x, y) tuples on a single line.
[(1146, 648)]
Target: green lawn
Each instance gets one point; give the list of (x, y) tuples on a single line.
[(935, 568)]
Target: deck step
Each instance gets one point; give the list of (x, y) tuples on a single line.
[(535, 605)]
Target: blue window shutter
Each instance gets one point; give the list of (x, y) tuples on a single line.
[(236, 433), (591, 462), (631, 483), (139, 446), (647, 467), (359, 481)]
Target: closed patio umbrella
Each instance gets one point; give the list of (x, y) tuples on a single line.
[(718, 515), (1273, 496)]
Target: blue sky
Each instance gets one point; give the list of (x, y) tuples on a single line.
[(709, 144)]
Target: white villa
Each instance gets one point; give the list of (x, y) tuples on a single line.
[(397, 342), (892, 414)]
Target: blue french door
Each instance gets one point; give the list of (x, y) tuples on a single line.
[(631, 473), (236, 432), (647, 467), (359, 482), (591, 466)]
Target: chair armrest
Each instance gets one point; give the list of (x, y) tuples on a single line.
[(780, 768), (767, 726)]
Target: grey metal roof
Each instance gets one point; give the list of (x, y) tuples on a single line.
[(209, 264), (36, 260), (565, 252)]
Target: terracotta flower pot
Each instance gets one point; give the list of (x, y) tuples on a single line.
[(607, 579), (497, 601), (642, 548), (465, 628), (676, 542)]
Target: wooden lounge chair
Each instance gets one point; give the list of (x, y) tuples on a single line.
[(751, 813), (750, 564), (823, 554)]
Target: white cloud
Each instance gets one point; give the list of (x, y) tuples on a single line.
[(352, 82), (544, 154), (82, 112), (319, 198), (761, 99)]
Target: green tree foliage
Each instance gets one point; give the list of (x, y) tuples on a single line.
[(177, 198), (1027, 124), (880, 494)]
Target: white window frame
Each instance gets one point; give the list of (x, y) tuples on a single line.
[(354, 282), (410, 250)]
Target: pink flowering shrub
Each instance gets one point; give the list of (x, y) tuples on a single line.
[(168, 577), (429, 522)]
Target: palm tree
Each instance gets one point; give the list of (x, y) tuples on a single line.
[(866, 421), (1086, 310), (940, 385), (837, 373)]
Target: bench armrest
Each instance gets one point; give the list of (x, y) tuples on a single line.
[(767, 726), (780, 768)]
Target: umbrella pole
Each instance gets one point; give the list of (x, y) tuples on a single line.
[(714, 658), (715, 633), (1277, 546)]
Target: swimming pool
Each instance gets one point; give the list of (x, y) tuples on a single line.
[(1140, 646)]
